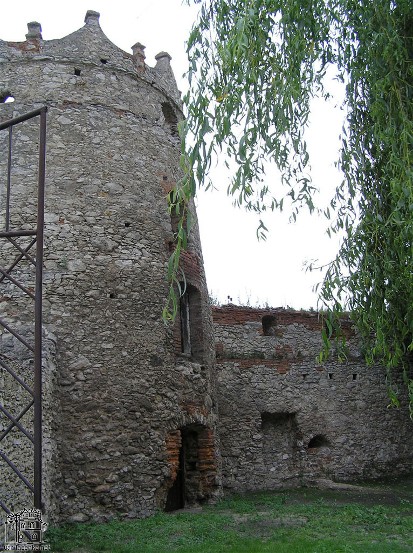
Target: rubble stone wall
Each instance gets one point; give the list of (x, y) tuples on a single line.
[(122, 383), (285, 420)]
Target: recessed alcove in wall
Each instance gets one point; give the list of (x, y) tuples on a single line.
[(279, 438), (170, 118), (317, 441), (268, 325)]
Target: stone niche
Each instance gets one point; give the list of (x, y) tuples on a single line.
[(279, 441)]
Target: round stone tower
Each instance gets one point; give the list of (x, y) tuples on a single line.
[(130, 417)]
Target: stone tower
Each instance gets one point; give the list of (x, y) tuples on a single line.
[(129, 412)]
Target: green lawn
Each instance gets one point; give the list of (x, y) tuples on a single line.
[(297, 521)]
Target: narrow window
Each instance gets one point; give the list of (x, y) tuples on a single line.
[(185, 324), (192, 341)]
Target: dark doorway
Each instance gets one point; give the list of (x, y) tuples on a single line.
[(186, 488), (176, 495)]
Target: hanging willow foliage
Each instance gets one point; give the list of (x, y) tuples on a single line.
[(255, 65)]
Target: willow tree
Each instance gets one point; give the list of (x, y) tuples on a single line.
[(255, 66)]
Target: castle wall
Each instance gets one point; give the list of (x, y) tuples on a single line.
[(285, 420), (131, 421), (123, 383)]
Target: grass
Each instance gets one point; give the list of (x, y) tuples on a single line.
[(297, 521)]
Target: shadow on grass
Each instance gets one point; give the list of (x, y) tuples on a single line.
[(369, 519)]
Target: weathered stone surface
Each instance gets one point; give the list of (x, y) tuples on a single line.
[(285, 420), (122, 384)]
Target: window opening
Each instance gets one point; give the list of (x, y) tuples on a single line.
[(170, 118), (6, 98), (268, 325), (185, 324)]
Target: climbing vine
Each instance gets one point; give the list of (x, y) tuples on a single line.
[(254, 67)]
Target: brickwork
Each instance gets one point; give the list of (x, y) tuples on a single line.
[(285, 420)]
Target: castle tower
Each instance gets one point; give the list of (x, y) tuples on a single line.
[(129, 411)]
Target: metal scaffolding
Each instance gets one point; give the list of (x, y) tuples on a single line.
[(32, 252)]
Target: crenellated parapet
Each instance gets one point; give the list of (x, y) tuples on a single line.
[(85, 52)]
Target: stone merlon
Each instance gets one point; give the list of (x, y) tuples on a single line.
[(138, 54), (34, 30), (163, 61), (92, 17)]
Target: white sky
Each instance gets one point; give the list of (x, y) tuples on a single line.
[(237, 265)]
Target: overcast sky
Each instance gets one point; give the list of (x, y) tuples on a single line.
[(237, 265)]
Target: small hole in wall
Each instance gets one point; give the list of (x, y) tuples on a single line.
[(6, 98), (127, 224), (77, 72), (112, 295), (355, 376), (304, 376), (318, 441), (103, 60), (330, 376), (165, 177)]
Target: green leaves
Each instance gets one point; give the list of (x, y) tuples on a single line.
[(254, 66)]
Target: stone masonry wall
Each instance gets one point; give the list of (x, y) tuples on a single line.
[(131, 405), (122, 383), (285, 420)]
